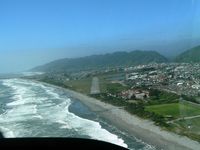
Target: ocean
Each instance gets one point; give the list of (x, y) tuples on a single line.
[(32, 109)]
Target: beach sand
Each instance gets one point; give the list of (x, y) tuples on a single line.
[(135, 126)]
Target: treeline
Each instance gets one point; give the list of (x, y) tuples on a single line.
[(115, 88), (155, 97), (54, 82), (110, 99), (133, 108), (190, 99), (162, 97), (139, 110)]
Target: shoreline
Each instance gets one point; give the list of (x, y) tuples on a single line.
[(138, 127)]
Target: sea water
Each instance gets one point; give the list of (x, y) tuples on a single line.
[(32, 109)]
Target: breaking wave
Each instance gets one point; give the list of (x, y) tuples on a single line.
[(34, 105)]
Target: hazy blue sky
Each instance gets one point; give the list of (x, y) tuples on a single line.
[(33, 32)]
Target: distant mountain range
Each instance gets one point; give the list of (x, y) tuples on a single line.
[(117, 59), (190, 56), (102, 61)]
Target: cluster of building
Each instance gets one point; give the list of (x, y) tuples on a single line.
[(182, 78), (134, 94)]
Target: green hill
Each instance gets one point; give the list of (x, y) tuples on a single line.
[(102, 61), (190, 56)]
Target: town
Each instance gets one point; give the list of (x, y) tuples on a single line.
[(166, 93), (180, 78)]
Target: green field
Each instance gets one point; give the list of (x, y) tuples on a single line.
[(105, 83), (193, 123), (102, 83), (82, 85), (176, 110), (188, 127)]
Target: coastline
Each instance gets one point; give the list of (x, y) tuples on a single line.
[(140, 128)]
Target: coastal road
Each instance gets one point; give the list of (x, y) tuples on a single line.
[(95, 86)]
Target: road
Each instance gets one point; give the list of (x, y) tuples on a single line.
[(95, 86), (184, 118)]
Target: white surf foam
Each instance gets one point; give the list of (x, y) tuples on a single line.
[(22, 108), (60, 114), (19, 113), (7, 132), (32, 73), (27, 105), (23, 94), (52, 93), (38, 116), (64, 124)]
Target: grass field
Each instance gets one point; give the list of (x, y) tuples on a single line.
[(176, 110), (188, 127), (82, 85), (193, 123), (102, 83)]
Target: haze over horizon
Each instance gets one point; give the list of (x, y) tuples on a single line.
[(36, 32)]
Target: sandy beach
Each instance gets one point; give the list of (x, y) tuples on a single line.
[(140, 128)]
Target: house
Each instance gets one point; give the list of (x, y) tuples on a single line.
[(134, 94)]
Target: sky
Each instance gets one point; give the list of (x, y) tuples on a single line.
[(34, 32)]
